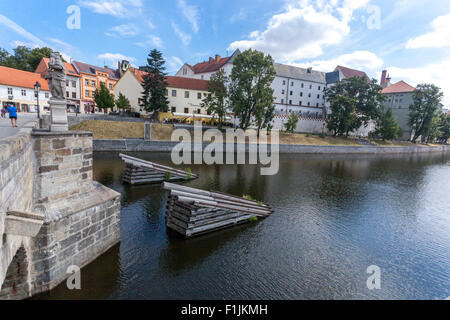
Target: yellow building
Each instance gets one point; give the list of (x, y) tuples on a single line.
[(185, 95)]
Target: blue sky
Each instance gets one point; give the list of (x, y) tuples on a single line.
[(410, 38)]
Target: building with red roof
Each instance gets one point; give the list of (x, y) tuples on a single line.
[(17, 88), (351, 73), (185, 95)]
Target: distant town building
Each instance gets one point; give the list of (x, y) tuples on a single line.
[(185, 95), (17, 89), (399, 98), (91, 79), (73, 86)]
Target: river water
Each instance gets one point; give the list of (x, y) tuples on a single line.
[(334, 217)]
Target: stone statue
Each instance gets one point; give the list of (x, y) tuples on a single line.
[(56, 77)]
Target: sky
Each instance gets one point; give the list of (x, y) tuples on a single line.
[(409, 38)]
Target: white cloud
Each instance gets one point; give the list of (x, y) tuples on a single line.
[(150, 25), (151, 41), (174, 64), (184, 37), (303, 29), (17, 43), (118, 8), (190, 13), (124, 30), (438, 38), (113, 58), (33, 41), (360, 60), (241, 15), (436, 73)]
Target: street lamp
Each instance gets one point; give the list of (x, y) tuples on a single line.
[(37, 89)]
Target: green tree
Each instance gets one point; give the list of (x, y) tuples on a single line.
[(367, 98), (24, 58), (426, 101), (250, 92), (387, 127), (103, 98), (343, 117), (155, 84), (443, 128), (122, 102), (217, 101), (291, 124)]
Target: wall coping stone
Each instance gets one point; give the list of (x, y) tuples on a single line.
[(49, 134)]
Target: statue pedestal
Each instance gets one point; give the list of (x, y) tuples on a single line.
[(58, 110)]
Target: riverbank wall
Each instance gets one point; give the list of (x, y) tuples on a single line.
[(140, 145)]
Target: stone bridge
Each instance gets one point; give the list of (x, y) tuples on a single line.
[(52, 214)]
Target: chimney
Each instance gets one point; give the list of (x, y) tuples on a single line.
[(218, 58), (211, 60), (383, 79), (388, 80)]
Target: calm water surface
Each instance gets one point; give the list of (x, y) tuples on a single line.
[(334, 217)]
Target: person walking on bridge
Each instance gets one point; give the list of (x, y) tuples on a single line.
[(12, 110)]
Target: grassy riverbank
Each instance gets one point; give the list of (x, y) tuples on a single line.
[(112, 130)]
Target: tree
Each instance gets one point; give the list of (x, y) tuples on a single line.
[(291, 124), (387, 127), (24, 58), (426, 101), (103, 98), (251, 95), (122, 102), (217, 101), (443, 128), (367, 96), (155, 84), (343, 117)]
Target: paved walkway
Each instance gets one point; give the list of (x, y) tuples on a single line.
[(7, 130)]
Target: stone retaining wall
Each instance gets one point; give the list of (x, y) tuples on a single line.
[(138, 145)]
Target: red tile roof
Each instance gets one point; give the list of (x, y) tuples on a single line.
[(23, 79), (177, 82), (210, 66), (399, 87), (350, 73), (43, 67)]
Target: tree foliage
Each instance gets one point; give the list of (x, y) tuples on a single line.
[(343, 118), (443, 128), (155, 84), (122, 102), (103, 99), (251, 95), (424, 111), (217, 101), (365, 97), (291, 124), (24, 58), (387, 127)]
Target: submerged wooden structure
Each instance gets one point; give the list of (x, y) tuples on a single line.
[(192, 212), (138, 171)]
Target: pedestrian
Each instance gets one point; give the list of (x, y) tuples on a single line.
[(12, 110), (3, 112)]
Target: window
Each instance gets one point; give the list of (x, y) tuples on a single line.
[(74, 84), (186, 110), (74, 95), (203, 77), (184, 71), (284, 82), (309, 95), (318, 96), (47, 95), (174, 109), (282, 101), (292, 84), (310, 86), (309, 104), (303, 85), (282, 91), (319, 88), (87, 93), (199, 111), (317, 104), (290, 101), (24, 93), (67, 94), (67, 83), (10, 91), (300, 103), (186, 94), (87, 82), (174, 93), (199, 95), (110, 86), (291, 93), (301, 94), (93, 83)]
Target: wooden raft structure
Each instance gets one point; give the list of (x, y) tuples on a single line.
[(192, 212), (138, 171)]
